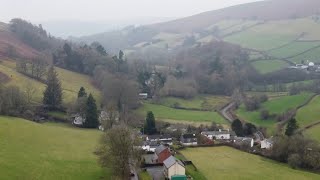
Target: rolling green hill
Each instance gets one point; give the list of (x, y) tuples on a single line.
[(274, 106), (71, 82), (229, 163), (47, 151)]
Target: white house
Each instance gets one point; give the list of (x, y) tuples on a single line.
[(143, 95), (266, 144), (217, 134), (78, 120), (172, 167), (161, 139)]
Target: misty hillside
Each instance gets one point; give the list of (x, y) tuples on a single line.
[(207, 26), (264, 10)]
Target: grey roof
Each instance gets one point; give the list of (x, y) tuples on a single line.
[(215, 132), (156, 137), (188, 136), (170, 161), (159, 149)]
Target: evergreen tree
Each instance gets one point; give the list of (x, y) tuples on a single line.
[(53, 94), (237, 127), (292, 126), (150, 124), (92, 120), (82, 93)]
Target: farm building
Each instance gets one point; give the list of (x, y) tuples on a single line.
[(221, 134), (173, 168), (160, 139), (189, 140), (244, 141), (143, 95), (266, 144), (161, 153)]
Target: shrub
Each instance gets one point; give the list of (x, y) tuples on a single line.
[(264, 114), (294, 161)]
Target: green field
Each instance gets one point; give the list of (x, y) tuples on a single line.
[(47, 151), (267, 66), (228, 163), (313, 133), (166, 113), (313, 55), (203, 102), (274, 106), (310, 113), (273, 34), (70, 81), (293, 49)]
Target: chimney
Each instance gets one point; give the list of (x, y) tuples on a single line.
[(219, 130)]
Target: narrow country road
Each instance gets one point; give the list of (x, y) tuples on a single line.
[(225, 112)]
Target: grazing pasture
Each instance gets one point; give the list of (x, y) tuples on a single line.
[(167, 113), (268, 66), (47, 151), (229, 163), (310, 113)]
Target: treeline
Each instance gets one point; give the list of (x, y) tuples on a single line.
[(36, 68), (33, 35)]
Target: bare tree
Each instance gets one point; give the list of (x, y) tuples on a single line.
[(30, 90), (117, 151)]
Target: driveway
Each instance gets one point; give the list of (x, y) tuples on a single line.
[(156, 172)]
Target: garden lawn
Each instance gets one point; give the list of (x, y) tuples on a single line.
[(229, 163), (47, 151), (268, 66), (163, 112), (310, 113)]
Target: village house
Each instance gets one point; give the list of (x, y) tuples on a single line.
[(244, 141), (160, 139), (78, 120), (143, 96), (149, 146), (161, 153), (189, 140), (219, 135), (173, 168), (266, 144)]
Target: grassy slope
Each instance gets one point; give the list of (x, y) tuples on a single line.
[(276, 33), (293, 49), (163, 112), (228, 163), (207, 102), (267, 66), (313, 133), (313, 55), (71, 82), (274, 106), (310, 113), (47, 151)]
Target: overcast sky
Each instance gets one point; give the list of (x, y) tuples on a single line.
[(102, 10)]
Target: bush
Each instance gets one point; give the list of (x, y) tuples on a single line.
[(264, 114), (251, 104), (294, 161)]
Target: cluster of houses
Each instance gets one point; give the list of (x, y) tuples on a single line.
[(309, 66), (162, 155)]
